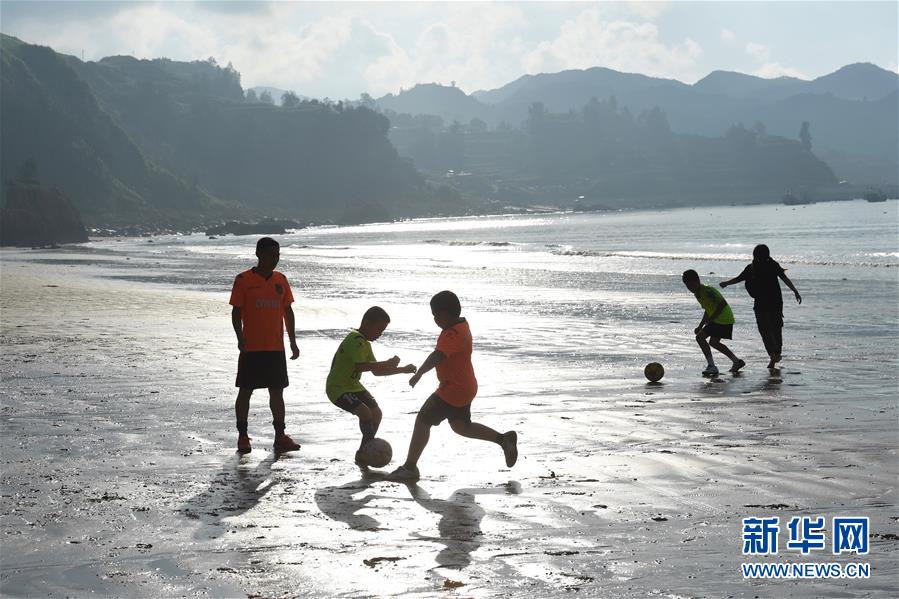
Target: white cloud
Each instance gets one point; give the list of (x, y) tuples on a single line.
[(647, 9), (728, 36), (771, 70), (588, 40), (758, 51), (474, 45)]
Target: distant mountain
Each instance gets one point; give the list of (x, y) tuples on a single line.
[(48, 114), (176, 143), (603, 155), (738, 85), (860, 81), (448, 102), (573, 88), (852, 117)]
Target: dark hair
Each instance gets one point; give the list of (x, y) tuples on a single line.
[(690, 275), (376, 313), (761, 253), (265, 243), (446, 301)]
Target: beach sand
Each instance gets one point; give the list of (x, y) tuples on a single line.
[(119, 476)]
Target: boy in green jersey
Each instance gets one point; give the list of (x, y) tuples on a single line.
[(352, 358), (717, 322)]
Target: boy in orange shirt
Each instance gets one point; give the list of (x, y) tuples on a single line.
[(261, 301), (457, 389)]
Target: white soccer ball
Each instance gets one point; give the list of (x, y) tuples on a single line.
[(377, 453)]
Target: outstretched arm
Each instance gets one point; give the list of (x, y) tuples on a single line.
[(736, 279), (430, 362), (386, 367), (789, 283)]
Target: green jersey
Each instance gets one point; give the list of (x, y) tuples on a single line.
[(709, 298), (344, 378)]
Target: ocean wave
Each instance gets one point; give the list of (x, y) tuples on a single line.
[(568, 251), (469, 243)]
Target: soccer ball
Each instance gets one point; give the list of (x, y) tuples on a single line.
[(376, 453), (654, 371)]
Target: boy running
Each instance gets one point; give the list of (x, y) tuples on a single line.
[(457, 389), (717, 323), (353, 357), (261, 301)]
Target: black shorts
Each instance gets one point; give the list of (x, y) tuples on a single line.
[(262, 370), (351, 401), (721, 331), (435, 410)]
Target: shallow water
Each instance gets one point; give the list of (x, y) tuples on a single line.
[(569, 291)]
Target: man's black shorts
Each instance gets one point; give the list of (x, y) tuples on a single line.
[(351, 401), (262, 370), (435, 410), (721, 331)]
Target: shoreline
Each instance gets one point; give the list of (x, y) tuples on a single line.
[(139, 231)]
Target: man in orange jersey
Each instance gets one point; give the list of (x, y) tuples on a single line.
[(457, 389), (261, 301)]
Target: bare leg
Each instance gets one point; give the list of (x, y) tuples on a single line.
[(420, 436), (276, 403), (706, 350), (474, 430), (716, 343), (366, 423), (242, 404)]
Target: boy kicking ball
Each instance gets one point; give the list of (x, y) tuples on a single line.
[(717, 323), (457, 389)]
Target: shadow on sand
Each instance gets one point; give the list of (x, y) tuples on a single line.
[(459, 526), (236, 489), (460, 521), (342, 504)]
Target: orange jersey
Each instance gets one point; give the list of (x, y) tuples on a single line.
[(261, 302), (458, 386)]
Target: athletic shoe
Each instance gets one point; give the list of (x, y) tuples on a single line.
[(710, 371), (243, 444), (737, 366), (284, 443), (509, 443), (405, 474)]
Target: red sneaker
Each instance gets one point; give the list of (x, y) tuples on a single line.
[(285, 443), (243, 444)]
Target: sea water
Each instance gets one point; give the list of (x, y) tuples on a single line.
[(576, 304)]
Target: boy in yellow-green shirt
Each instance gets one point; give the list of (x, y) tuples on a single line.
[(717, 323), (352, 358)]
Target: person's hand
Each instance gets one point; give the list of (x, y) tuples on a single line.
[(241, 345), (414, 380), (294, 350), (697, 330), (723, 284), (798, 297), (394, 361), (409, 369)]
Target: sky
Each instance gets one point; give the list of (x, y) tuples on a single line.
[(341, 49)]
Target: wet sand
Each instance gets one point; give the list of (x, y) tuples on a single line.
[(119, 476)]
